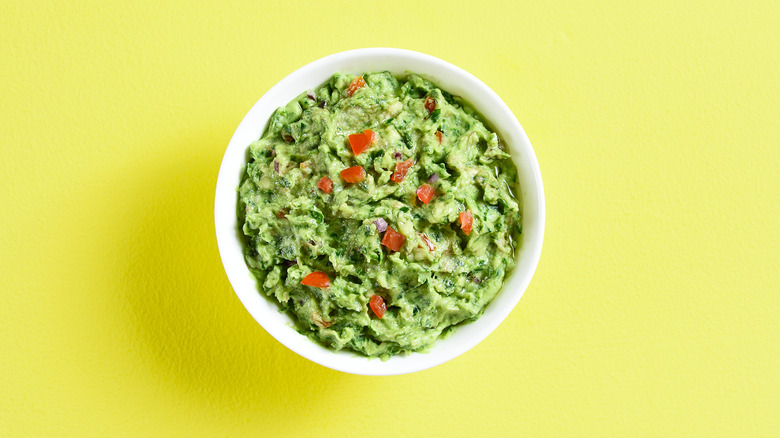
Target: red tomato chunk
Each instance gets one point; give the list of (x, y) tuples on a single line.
[(325, 184), (378, 305), (316, 279), (355, 85), (425, 192), (466, 221), (401, 169), (361, 141), (430, 104), (353, 174), (393, 239)]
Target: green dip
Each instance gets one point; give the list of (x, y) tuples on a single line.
[(441, 277)]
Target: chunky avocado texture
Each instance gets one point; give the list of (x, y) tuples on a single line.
[(441, 277)]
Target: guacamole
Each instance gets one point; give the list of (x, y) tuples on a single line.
[(379, 212)]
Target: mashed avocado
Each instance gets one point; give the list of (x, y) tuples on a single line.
[(379, 212)]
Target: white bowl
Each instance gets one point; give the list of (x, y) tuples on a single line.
[(449, 78)]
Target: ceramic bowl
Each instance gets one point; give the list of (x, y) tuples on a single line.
[(450, 78)]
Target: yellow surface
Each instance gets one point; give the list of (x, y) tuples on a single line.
[(655, 308)]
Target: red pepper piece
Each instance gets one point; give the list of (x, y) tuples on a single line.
[(401, 168), (316, 279), (355, 85), (353, 174), (378, 305), (430, 104), (425, 192), (361, 141), (466, 221), (325, 184), (393, 239)]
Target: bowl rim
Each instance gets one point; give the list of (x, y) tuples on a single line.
[(228, 233)]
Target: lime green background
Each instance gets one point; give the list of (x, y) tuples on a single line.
[(654, 310)]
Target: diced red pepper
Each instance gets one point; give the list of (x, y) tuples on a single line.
[(401, 168), (466, 221), (325, 184), (353, 174), (438, 136), (425, 192), (393, 239), (316, 279), (355, 85), (361, 141), (428, 242), (378, 305), (430, 104)]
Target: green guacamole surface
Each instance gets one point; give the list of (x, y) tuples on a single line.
[(441, 277)]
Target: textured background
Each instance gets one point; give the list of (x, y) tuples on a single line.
[(654, 311)]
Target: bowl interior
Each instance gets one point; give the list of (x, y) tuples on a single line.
[(448, 77)]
